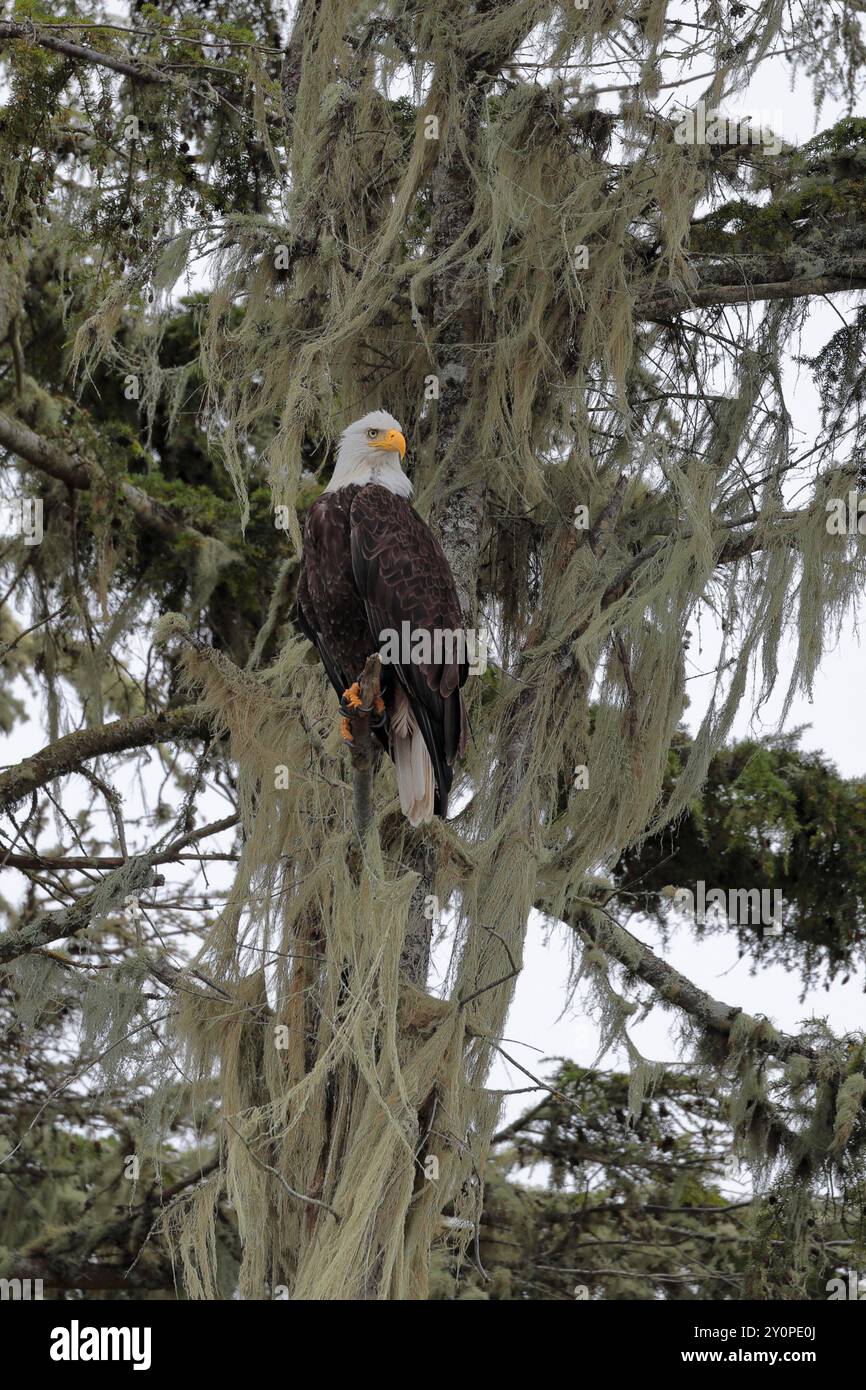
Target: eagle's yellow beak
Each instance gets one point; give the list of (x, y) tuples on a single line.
[(393, 440)]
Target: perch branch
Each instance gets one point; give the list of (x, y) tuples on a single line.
[(363, 749)]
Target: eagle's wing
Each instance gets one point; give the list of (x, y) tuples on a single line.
[(325, 536), (403, 575)]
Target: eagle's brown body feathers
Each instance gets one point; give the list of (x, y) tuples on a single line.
[(371, 564)]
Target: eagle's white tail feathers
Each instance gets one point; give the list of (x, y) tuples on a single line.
[(415, 780)]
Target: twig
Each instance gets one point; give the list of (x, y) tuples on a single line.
[(313, 1201), (514, 971)]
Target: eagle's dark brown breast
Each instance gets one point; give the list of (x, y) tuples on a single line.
[(328, 596)]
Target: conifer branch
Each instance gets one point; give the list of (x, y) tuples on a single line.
[(17, 438), (127, 67)]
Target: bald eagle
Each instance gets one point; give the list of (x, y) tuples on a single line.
[(372, 567)]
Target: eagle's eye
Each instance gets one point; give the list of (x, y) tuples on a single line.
[(371, 434)]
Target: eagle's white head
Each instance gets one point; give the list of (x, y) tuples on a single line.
[(370, 451)]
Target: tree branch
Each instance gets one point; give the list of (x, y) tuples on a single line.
[(60, 1266), (747, 279), (362, 747), (672, 987), (103, 1275), (29, 33), (18, 438), (133, 877), (68, 752)]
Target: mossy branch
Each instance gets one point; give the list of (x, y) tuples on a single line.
[(672, 987), (133, 877), (754, 280), (29, 33), (67, 754)]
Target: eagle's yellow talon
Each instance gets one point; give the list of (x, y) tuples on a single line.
[(346, 730), (352, 696)]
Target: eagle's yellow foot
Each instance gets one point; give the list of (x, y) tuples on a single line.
[(346, 730), (352, 704)]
